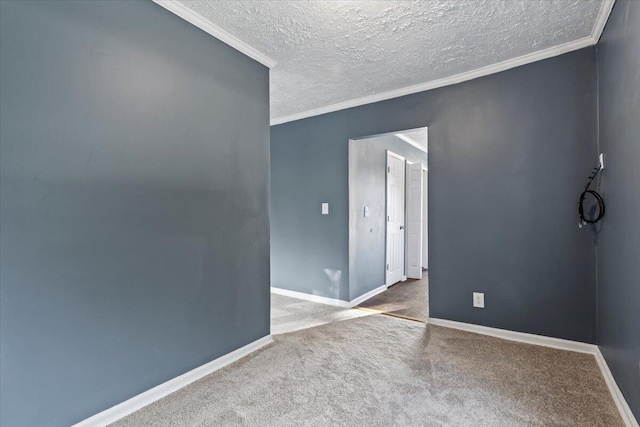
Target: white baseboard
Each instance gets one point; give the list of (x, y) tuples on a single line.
[(326, 300), (364, 297), (310, 297), (127, 407), (616, 394), (561, 344)]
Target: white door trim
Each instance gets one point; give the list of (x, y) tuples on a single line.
[(413, 221)]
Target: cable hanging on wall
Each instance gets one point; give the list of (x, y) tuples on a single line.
[(598, 197)]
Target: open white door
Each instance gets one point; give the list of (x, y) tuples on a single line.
[(425, 221), (395, 218), (414, 220)]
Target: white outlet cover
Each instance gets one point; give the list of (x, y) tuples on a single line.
[(478, 300), (325, 209)]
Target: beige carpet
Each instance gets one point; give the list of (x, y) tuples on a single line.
[(380, 371), (291, 314), (408, 299)]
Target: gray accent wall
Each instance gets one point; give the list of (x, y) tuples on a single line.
[(368, 187), (508, 156), (619, 237), (134, 193)]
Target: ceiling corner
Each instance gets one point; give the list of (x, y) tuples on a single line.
[(601, 20), (205, 25)]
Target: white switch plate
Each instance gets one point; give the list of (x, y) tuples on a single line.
[(601, 160), (366, 211), (325, 209), (478, 300)]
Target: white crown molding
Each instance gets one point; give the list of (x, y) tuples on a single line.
[(580, 347), (601, 20), (447, 81), (618, 398), (127, 407), (205, 25), (410, 141), (328, 301)]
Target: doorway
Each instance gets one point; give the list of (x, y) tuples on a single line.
[(388, 251)]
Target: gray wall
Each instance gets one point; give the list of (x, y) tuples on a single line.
[(134, 204), (367, 181), (508, 155), (309, 251), (619, 239)]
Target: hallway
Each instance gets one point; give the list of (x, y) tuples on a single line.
[(408, 300)]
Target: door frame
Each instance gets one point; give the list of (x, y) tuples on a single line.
[(386, 227), (413, 228)]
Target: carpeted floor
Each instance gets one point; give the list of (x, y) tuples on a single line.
[(380, 371), (408, 299), (291, 314)]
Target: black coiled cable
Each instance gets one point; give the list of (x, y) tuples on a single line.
[(598, 197)]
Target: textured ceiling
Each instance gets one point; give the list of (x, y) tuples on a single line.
[(335, 51)]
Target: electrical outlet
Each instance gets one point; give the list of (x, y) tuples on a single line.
[(601, 159), (478, 300)]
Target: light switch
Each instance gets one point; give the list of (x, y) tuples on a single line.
[(366, 211), (325, 209)]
